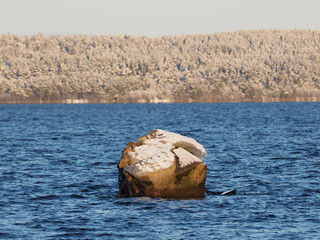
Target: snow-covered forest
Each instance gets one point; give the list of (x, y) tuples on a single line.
[(266, 65)]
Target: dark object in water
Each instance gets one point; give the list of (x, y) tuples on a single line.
[(229, 193), (226, 193)]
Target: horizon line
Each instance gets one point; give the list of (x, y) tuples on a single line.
[(162, 36)]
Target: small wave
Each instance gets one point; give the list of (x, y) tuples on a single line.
[(284, 158), (106, 234), (121, 202), (96, 163), (5, 235), (77, 196), (27, 140), (46, 197)]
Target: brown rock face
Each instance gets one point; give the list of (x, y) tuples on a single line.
[(162, 164)]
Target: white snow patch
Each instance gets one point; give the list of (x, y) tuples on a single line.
[(174, 139), (185, 158), (160, 161), (159, 150)]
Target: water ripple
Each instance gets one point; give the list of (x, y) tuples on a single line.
[(59, 178)]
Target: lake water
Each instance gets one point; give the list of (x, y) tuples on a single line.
[(59, 180)]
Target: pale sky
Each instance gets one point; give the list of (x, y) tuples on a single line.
[(154, 18)]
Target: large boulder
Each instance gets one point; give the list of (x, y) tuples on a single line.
[(162, 164)]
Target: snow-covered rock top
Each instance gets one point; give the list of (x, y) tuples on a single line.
[(159, 151)]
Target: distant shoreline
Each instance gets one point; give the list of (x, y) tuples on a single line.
[(242, 66), (87, 101)]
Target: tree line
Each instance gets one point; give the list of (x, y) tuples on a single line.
[(265, 65)]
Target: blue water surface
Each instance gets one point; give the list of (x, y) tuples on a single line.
[(58, 174)]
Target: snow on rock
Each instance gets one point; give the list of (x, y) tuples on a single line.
[(185, 158), (159, 160), (162, 164), (159, 151)]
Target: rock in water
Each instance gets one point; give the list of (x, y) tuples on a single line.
[(162, 164)]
